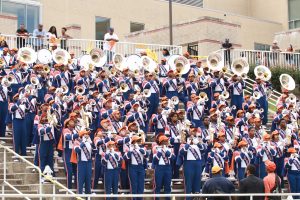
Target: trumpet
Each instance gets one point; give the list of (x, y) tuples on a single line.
[(175, 100), (203, 96), (79, 90), (146, 93), (224, 95), (46, 69), (124, 87), (11, 78), (2, 62), (256, 95), (5, 82), (34, 81), (65, 89), (291, 98), (225, 69)]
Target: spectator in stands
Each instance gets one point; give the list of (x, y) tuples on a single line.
[(52, 33), (64, 37), (275, 51), (166, 53), (218, 184), (272, 181), (40, 34), (227, 46), (109, 46), (251, 184), (3, 45), (289, 55), (22, 34)]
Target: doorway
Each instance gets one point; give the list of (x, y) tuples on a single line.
[(102, 26)]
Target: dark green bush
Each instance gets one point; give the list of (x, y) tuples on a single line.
[(276, 72)]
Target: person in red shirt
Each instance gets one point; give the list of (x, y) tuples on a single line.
[(272, 180)]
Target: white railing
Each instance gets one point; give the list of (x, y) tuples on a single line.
[(173, 196), (83, 46), (40, 174), (268, 58)]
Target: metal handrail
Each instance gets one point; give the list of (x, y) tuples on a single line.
[(251, 195), (41, 174)]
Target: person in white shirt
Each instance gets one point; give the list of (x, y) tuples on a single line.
[(40, 34), (109, 46)]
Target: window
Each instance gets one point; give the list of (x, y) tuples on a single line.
[(102, 25), (262, 47), (28, 12), (294, 14), (135, 26)]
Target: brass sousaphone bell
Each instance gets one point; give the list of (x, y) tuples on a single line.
[(215, 62), (98, 57), (27, 55), (287, 82), (61, 56), (240, 67), (263, 73)]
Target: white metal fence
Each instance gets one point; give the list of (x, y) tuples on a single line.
[(83, 46), (267, 58)]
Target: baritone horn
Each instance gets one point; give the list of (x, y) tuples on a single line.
[(287, 82), (240, 67)]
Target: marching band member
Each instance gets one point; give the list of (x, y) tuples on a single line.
[(83, 149), (236, 92), (136, 156), (264, 152), (111, 160), (219, 83), (192, 164), (6, 57), (170, 85), (5, 92), (217, 157), (293, 171), (18, 110), (47, 141), (153, 85), (68, 136), (243, 159), (163, 156), (280, 148), (172, 131), (196, 111), (100, 149), (261, 87), (159, 120)]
